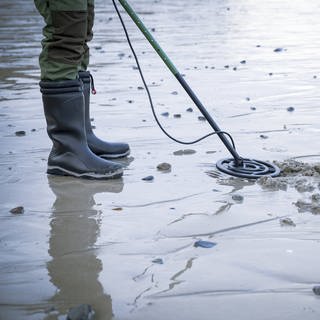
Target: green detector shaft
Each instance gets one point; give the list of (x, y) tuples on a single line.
[(179, 77), (236, 166)]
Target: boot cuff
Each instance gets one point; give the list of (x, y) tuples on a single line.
[(53, 87), (84, 76)]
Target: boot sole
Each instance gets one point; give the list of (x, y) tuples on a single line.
[(114, 156), (58, 171)]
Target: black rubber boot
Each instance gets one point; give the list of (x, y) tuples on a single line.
[(64, 110), (103, 149)]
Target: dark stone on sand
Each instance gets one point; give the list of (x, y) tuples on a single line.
[(121, 55), (201, 118), (210, 152), (33, 130), (314, 77), (164, 166), (177, 115), (290, 109), (140, 88), (158, 261), (184, 152), (263, 136), (189, 110), (81, 312), (235, 69), (279, 50), (153, 29), (174, 93), (130, 101), (270, 74), (253, 108), (226, 67), (247, 98), (20, 133), (204, 244), (165, 114), (316, 290), (148, 178), (17, 210), (287, 222), (243, 61), (237, 198)]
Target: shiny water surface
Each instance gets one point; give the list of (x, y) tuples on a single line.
[(126, 247)]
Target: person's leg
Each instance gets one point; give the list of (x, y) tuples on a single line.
[(104, 149), (62, 92)]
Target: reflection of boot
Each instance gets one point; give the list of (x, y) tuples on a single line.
[(74, 268), (63, 103), (107, 150)]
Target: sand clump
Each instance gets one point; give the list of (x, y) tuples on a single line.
[(304, 177)]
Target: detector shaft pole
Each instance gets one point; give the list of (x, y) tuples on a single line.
[(179, 77)]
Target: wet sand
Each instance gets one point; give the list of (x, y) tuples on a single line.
[(126, 247)]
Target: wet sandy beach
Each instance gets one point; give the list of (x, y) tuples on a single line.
[(127, 247)]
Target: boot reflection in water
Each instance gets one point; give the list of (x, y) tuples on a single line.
[(74, 268)]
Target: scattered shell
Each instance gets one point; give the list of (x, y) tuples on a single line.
[(204, 244), (148, 178), (164, 166), (184, 152), (316, 290), (17, 210), (237, 198), (287, 222), (279, 49), (20, 133), (158, 261)]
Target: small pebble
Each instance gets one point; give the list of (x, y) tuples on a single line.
[(226, 67), (248, 98), (316, 290), (184, 152), (81, 312), (263, 136), (314, 77), (210, 152), (270, 73), (140, 88), (243, 62), (237, 198), (33, 130), (148, 178), (20, 133), (201, 118), (117, 209), (165, 114), (130, 101), (158, 261), (189, 110), (174, 93), (204, 244), (278, 50), (234, 68), (253, 108), (177, 115), (17, 210), (153, 29), (287, 222), (164, 166), (290, 109)]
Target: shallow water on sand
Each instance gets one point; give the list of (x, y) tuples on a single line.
[(97, 242)]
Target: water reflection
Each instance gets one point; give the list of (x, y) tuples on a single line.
[(74, 268)]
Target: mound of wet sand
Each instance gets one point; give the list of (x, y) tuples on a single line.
[(304, 177)]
